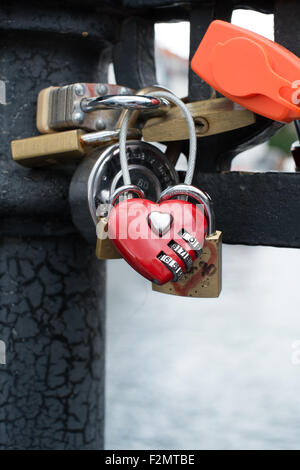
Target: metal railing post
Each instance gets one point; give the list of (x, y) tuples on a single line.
[(52, 288)]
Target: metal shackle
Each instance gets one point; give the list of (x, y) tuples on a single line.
[(122, 102), (200, 196), (129, 188)]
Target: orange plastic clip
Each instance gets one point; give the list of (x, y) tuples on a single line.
[(251, 70)]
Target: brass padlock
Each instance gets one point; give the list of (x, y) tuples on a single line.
[(211, 117), (205, 279), (48, 149), (61, 147), (105, 249)]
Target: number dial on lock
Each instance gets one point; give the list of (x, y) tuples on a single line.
[(149, 169)]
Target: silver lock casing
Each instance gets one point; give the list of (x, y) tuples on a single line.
[(99, 175)]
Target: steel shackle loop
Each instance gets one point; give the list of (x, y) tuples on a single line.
[(200, 196), (93, 139), (192, 132), (127, 188), (165, 105), (122, 102)]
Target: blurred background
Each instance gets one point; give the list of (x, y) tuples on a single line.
[(217, 373)]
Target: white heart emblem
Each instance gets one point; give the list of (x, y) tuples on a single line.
[(160, 222)]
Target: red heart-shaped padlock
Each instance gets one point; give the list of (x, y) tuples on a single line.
[(160, 241)]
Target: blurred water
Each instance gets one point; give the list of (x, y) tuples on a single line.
[(206, 374)]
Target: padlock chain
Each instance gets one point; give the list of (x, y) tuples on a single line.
[(192, 132)]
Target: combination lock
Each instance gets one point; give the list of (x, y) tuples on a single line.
[(150, 170)]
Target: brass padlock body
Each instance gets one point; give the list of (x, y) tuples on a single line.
[(105, 249), (211, 117), (48, 149), (205, 279)]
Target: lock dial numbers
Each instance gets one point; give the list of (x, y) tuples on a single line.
[(191, 241), (172, 265), (149, 169), (183, 254)]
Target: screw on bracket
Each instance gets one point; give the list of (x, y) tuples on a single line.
[(201, 125)]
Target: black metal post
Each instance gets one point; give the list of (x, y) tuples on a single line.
[(52, 289)]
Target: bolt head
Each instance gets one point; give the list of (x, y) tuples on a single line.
[(79, 89), (201, 125), (100, 124), (101, 89), (77, 118), (124, 91)]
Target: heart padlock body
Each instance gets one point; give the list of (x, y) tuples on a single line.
[(129, 228)]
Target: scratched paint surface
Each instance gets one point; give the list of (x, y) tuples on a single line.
[(201, 373), (2, 92), (2, 352)]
